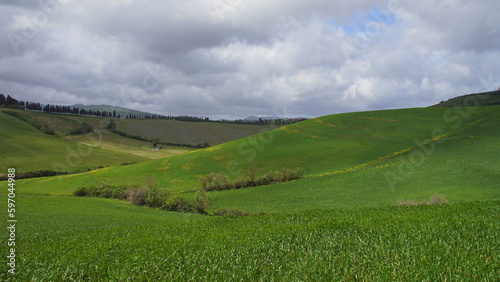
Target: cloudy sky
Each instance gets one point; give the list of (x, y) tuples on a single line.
[(235, 58)]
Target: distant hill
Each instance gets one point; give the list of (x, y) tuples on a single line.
[(27, 149), (119, 110), (254, 118), (283, 120), (482, 99)]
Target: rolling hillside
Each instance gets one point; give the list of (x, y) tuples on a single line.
[(189, 133), (347, 159), (338, 223), (167, 131), (26, 149)]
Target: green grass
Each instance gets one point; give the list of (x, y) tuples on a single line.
[(463, 167), (67, 238), (188, 133), (61, 124), (116, 143), (26, 149), (346, 159), (166, 131), (338, 223)]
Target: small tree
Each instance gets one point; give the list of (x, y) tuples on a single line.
[(201, 201), (251, 173)]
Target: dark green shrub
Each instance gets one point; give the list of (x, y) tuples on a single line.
[(217, 182), (39, 173), (81, 192), (156, 198), (206, 181), (177, 203), (242, 183), (119, 193), (152, 197), (102, 191)]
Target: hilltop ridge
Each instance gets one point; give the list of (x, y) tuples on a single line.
[(490, 98)]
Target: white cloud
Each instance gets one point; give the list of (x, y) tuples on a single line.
[(240, 58)]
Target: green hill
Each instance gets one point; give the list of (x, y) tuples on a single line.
[(27, 149), (173, 133), (189, 133), (349, 160), (166, 131), (340, 222), (472, 100)]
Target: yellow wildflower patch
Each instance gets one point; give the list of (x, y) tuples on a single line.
[(212, 149), (218, 157), (188, 166), (165, 165), (288, 129)]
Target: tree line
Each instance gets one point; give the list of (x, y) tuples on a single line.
[(11, 102)]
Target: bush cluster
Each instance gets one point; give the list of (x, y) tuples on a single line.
[(34, 174), (218, 182), (148, 196), (103, 191)]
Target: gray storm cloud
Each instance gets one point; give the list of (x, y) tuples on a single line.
[(234, 58)]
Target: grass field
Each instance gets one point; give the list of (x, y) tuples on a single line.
[(189, 133), (97, 239), (340, 222), (463, 167), (116, 143), (26, 149), (192, 134), (339, 153), (167, 131)]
